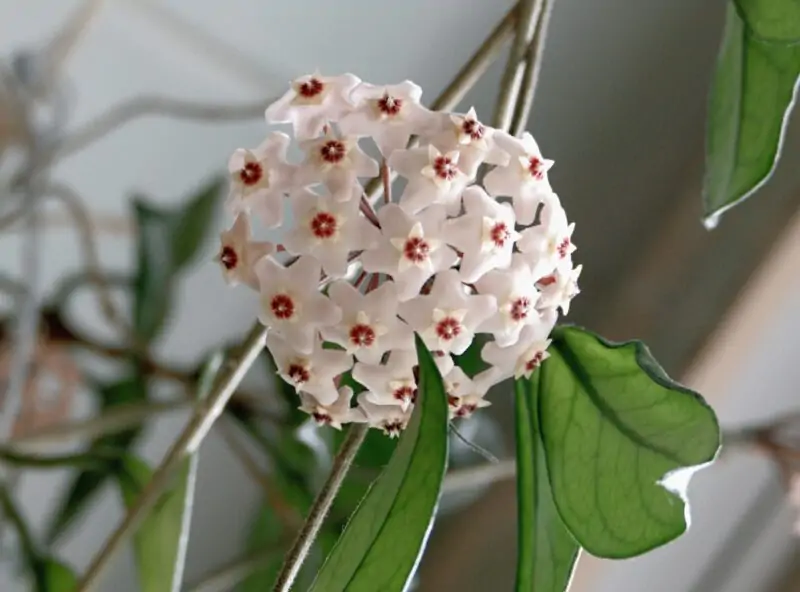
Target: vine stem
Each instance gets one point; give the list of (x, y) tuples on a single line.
[(207, 411), (320, 508), (532, 68), (510, 85)]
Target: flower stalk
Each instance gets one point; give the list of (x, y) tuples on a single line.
[(320, 508)]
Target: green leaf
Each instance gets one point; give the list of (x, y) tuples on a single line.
[(110, 448), (383, 542), (158, 543), (772, 20), (57, 577), (752, 95), (546, 550), (192, 222), (614, 426), (167, 241), (155, 270)]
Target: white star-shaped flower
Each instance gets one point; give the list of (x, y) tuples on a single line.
[(392, 383), (238, 254), (314, 372), (524, 179), (369, 326), (524, 356), (337, 413), (465, 395), (446, 318), (411, 250), (559, 288), (329, 230), (474, 141), (260, 178), (433, 178), (312, 102), (517, 297), (389, 114), (291, 303), (390, 419), (549, 243), (484, 235), (335, 161)]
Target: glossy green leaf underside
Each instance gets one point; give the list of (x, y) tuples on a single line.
[(772, 20), (752, 94), (157, 541), (613, 426), (546, 551), (383, 542), (109, 448)]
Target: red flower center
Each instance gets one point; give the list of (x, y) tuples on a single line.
[(310, 88), (323, 225), (321, 418), (520, 308), (298, 373), (453, 401), (473, 128), (362, 335), (393, 428), (282, 306), (448, 328), (251, 173), (416, 249), (534, 362), (563, 247), (389, 105), (547, 280), (466, 410), (228, 257), (445, 168), (405, 393), (333, 151), (536, 168), (500, 234)]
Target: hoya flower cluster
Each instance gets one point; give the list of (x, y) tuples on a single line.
[(352, 281)]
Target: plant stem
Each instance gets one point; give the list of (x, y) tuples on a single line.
[(320, 508), (113, 420), (478, 476), (533, 66), (187, 443), (512, 76)]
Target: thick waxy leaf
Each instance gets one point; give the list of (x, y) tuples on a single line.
[(614, 426), (107, 452), (57, 577), (546, 550), (383, 542), (752, 94), (772, 20), (168, 240), (160, 552)]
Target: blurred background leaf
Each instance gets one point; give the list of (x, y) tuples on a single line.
[(158, 539), (87, 483)]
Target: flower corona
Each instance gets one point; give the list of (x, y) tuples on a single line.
[(351, 279)]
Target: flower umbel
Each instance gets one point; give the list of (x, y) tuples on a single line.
[(344, 283)]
